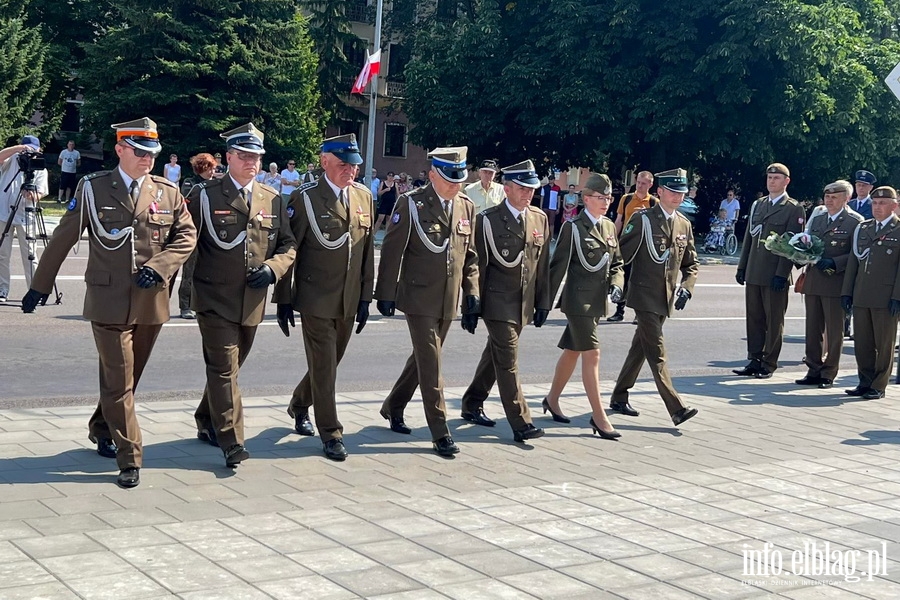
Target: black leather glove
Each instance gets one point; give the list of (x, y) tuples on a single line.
[(615, 294), (683, 297), (285, 315), (261, 277), (146, 278), (895, 308), (540, 316), (362, 315), (847, 303), (470, 322), (740, 276), (472, 306), (32, 299), (826, 264), (779, 284), (386, 307)]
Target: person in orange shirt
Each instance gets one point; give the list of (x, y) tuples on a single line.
[(628, 205)]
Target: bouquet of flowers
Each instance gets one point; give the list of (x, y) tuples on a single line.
[(799, 248)]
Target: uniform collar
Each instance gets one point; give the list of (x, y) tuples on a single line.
[(337, 191), (777, 199), (127, 180), (665, 214), (515, 213), (239, 187), (591, 217)]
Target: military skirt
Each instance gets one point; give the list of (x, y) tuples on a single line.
[(580, 334)]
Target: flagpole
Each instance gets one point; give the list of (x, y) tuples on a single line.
[(373, 100)]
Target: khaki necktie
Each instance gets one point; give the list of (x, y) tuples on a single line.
[(447, 208), (134, 191), (246, 199)]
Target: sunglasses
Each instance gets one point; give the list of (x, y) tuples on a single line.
[(142, 153), (291, 164)]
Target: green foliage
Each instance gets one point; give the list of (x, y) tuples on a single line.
[(22, 84), (201, 67)]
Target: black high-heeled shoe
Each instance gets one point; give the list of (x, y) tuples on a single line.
[(556, 417), (606, 435)]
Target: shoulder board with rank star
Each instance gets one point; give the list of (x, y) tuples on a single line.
[(307, 185), (96, 174)]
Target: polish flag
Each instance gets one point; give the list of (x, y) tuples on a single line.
[(369, 70)]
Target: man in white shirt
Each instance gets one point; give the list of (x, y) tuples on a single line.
[(375, 184), (486, 192), (69, 160), (290, 179), (731, 206)]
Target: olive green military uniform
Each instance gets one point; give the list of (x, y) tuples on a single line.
[(873, 280), (656, 261), (822, 293), (233, 239), (588, 254), (334, 271), (514, 279), (766, 307), (426, 257), (125, 319)]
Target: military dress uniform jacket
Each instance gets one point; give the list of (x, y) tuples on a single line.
[(873, 272), (657, 255), (513, 264), (232, 241), (760, 265), (591, 257), (335, 266), (426, 257), (837, 236), (158, 229)]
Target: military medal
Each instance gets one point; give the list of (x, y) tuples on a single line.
[(662, 247), (419, 204), (154, 208), (221, 212), (223, 234), (155, 235)]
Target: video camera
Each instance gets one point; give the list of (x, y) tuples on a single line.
[(29, 162)]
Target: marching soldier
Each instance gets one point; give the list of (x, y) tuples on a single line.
[(331, 281), (766, 275), (871, 289), (427, 254), (834, 225), (659, 244), (140, 234), (513, 267), (244, 244)]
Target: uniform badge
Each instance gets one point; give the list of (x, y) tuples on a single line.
[(396, 218), (155, 235), (590, 255), (272, 236), (834, 242), (99, 214), (290, 212), (327, 236), (71, 204), (628, 228), (464, 222), (420, 205), (154, 207), (800, 220), (889, 251), (504, 253), (223, 234), (114, 231)]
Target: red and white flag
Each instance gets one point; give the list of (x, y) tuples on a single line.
[(369, 70)]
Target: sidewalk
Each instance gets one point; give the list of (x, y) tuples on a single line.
[(663, 513)]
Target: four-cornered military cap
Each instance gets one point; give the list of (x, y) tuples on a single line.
[(344, 147), (674, 180), (884, 191), (865, 177), (450, 163), (140, 134), (522, 173), (246, 138), (600, 183), (489, 165), (778, 168), (841, 186)]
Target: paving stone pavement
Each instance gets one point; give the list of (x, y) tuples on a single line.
[(664, 513)]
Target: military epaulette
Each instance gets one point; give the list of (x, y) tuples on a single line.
[(360, 186), (307, 185), (461, 195), (96, 174), (267, 188), (162, 180), (492, 209), (415, 191), (684, 218)]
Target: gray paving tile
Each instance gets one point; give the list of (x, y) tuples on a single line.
[(88, 564), (266, 568), (437, 572), (129, 584), (23, 573), (41, 591), (192, 576), (374, 581), (549, 584), (57, 545), (332, 560), (240, 591)]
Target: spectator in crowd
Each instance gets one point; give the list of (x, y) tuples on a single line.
[(272, 177), (172, 170), (310, 174), (375, 184), (387, 197), (220, 168), (69, 160), (731, 205), (404, 184), (570, 205), (422, 180), (290, 180), (550, 203), (862, 204), (486, 192)]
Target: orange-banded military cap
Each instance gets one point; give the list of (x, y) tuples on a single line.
[(140, 133)]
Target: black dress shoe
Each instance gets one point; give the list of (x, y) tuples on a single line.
[(397, 424), (445, 446), (478, 417), (559, 418), (303, 425), (683, 415), (235, 455), (857, 391), (809, 380), (615, 318), (606, 435), (748, 371), (334, 449), (825, 384), (624, 408), (763, 374), (106, 447), (129, 478), (529, 433), (873, 395), (208, 435)]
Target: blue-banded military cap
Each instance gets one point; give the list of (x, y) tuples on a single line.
[(450, 163), (674, 180), (140, 133), (523, 174), (865, 177), (246, 138), (344, 147)]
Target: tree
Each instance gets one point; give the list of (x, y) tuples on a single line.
[(22, 84), (201, 67)]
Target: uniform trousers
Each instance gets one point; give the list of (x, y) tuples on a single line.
[(325, 341), (874, 331), (824, 335), (423, 369), (124, 351), (499, 363), (648, 343), (18, 232), (187, 281), (765, 323), (226, 346)]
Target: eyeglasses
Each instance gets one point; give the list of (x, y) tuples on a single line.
[(246, 156), (598, 196), (291, 164)]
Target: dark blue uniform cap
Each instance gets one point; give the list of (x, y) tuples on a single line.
[(344, 147), (865, 177)]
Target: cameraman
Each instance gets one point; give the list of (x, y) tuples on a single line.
[(11, 181)]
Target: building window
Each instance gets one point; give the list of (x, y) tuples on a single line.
[(356, 10), (354, 127), (72, 116), (397, 61), (395, 140)]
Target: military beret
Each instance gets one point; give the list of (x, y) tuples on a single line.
[(838, 187), (865, 177), (600, 183), (884, 191), (674, 180), (450, 163), (778, 168)]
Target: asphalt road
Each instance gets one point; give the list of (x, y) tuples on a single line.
[(49, 357)]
